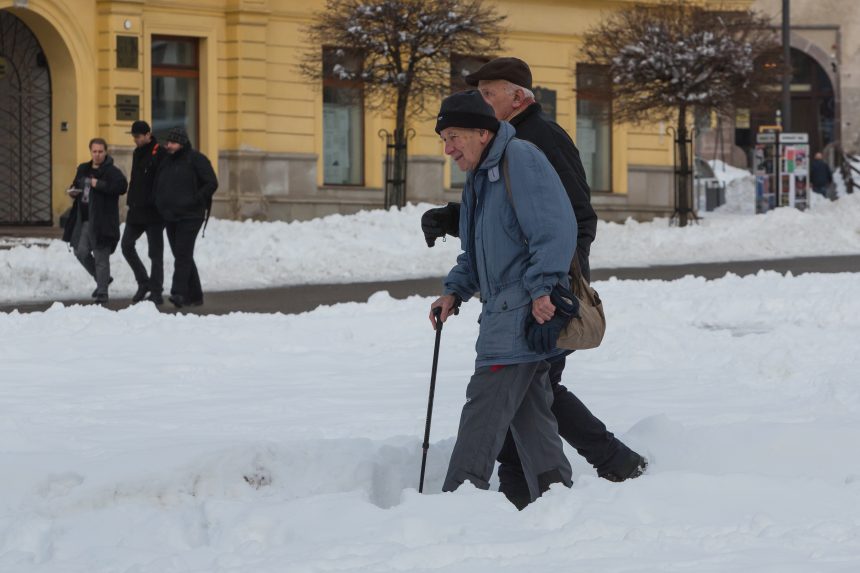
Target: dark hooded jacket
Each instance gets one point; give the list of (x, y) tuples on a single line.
[(536, 127), (141, 195), (103, 209), (184, 185), (820, 174)]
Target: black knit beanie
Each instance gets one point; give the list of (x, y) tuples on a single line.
[(178, 135), (466, 109)]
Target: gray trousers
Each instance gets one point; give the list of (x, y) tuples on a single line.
[(95, 259), (517, 396)]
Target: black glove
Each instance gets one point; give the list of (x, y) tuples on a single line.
[(441, 221), (542, 338)]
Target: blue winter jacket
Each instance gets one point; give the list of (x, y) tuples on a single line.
[(512, 253)]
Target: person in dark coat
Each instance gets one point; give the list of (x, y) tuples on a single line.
[(820, 175), (184, 186), (92, 227), (505, 83), (143, 216)]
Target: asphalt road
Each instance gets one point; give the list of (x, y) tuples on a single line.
[(296, 299)]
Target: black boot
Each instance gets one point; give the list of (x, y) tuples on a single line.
[(519, 495), (140, 294), (96, 292), (156, 298), (520, 500), (177, 300)]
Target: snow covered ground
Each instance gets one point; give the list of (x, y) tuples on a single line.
[(379, 245), (140, 442)]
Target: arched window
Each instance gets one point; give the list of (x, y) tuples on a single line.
[(813, 106)]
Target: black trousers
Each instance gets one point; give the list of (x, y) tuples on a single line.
[(579, 428), (155, 239), (182, 235)]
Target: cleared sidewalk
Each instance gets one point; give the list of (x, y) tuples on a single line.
[(302, 298)]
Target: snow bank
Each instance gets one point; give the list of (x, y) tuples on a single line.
[(727, 173), (275, 443), (379, 245), (827, 228)]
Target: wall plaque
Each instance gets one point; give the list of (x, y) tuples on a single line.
[(126, 52), (127, 107)]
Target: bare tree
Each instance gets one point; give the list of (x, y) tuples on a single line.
[(406, 46), (667, 59)]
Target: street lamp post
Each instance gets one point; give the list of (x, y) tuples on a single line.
[(786, 56)]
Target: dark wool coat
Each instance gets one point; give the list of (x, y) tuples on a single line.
[(184, 185), (103, 208), (536, 127), (141, 187)]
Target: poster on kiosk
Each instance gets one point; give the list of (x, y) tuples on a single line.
[(794, 170), (765, 169)]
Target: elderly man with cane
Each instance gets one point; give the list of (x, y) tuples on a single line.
[(505, 83), (518, 241)]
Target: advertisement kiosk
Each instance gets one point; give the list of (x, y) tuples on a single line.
[(765, 166), (794, 170), (781, 169)]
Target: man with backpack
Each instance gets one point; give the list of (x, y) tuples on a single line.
[(184, 186), (505, 83), (143, 216)]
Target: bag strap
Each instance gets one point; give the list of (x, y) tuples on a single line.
[(575, 270), (208, 205), (506, 174)]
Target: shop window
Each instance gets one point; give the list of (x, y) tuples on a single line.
[(176, 86), (343, 117), (594, 124)]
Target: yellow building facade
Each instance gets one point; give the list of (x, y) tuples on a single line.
[(227, 70)]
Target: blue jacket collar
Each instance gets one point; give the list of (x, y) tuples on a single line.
[(497, 149)]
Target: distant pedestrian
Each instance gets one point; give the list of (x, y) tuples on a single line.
[(92, 228), (143, 216), (820, 175), (184, 187)]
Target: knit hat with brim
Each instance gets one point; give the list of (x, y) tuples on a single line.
[(466, 109)]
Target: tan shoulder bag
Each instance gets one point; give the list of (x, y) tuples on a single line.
[(586, 330)]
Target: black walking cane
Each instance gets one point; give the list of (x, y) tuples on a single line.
[(437, 315)]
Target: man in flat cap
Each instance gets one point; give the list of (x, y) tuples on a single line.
[(506, 84), (184, 187), (518, 237), (143, 216)]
